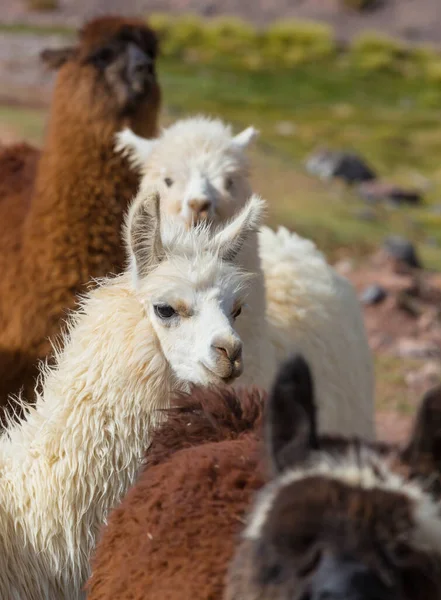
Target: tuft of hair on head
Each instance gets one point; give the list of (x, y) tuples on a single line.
[(135, 148), (143, 234), (230, 239), (290, 419)]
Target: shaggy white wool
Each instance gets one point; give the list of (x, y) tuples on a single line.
[(73, 459), (363, 469), (313, 309), (297, 301)]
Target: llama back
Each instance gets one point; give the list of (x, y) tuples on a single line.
[(314, 310)]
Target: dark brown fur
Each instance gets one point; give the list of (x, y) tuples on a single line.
[(210, 445), (175, 533), (68, 224)]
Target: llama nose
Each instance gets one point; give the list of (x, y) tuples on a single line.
[(200, 207), (230, 349)]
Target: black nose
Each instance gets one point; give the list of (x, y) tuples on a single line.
[(139, 63), (341, 578)]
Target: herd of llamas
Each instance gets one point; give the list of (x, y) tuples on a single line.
[(187, 396)]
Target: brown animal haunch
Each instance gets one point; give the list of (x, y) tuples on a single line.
[(339, 518), (60, 221)]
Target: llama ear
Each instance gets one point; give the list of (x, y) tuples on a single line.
[(136, 148), (231, 238), (424, 446), (243, 139), (143, 234), (54, 58), (290, 421)]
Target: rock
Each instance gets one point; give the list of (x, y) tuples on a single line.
[(343, 165), (365, 214), (379, 191), (413, 348), (344, 266), (285, 128), (373, 294), (402, 250), (429, 375)]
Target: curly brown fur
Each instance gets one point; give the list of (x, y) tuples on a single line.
[(334, 522), (206, 415), (71, 231), (209, 443)]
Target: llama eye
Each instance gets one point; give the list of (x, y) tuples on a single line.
[(164, 311), (237, 312), (168, 182), (229, 183)]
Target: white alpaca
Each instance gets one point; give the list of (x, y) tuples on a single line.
[(167, 322), (202, 172)]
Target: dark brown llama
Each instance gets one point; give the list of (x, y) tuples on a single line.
[(66, 225)]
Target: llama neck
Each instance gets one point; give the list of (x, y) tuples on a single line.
[(82, 189), (82, 445), (259, 357)]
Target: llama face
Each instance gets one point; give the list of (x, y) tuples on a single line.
[(191, 290), (120, 59), (341, 519), (193, 312), (199, 168)]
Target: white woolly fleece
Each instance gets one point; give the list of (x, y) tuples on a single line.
[(297, 301)]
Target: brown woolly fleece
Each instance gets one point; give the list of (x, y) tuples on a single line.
[(63, 227), (159, 543), (18, 166)]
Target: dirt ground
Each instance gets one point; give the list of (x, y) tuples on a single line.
[(414, 20)]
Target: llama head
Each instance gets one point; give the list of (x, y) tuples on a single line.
[(190, 287), (342, 519), (199, 167), (111, 69)]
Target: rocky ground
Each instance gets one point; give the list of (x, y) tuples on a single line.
[(414, 20), (406, 324)]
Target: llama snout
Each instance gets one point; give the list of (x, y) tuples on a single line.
[(227, 352), (198, 209)]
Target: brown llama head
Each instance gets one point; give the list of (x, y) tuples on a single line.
[(342, 519), (110, 71)]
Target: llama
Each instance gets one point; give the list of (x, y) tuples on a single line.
[(61, 212), (165, 323), (202, 172), (340, 518)]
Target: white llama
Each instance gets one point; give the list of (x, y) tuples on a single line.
[(164, 324), (202, 172)]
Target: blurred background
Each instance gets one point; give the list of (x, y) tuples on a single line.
[(347, 97)]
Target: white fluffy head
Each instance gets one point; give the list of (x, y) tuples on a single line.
[(191, 288), (199, 167)]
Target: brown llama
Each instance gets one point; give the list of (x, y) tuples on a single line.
[(340, 518), (66, 225)]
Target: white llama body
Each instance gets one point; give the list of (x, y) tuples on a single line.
[(73, 459), (203, 174)]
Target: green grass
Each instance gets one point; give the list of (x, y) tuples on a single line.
[(395, 123), (42, 30)]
